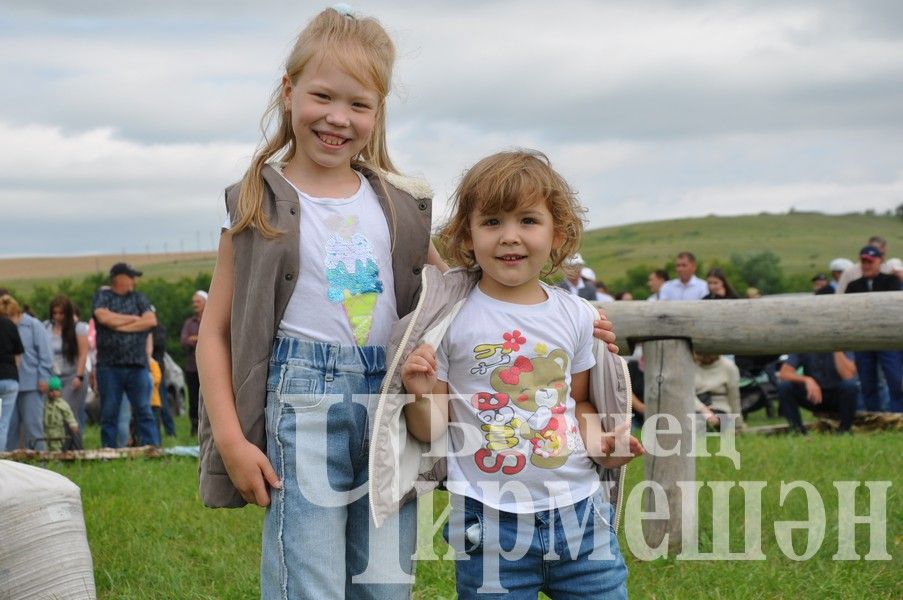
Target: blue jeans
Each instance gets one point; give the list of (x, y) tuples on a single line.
[(318, 538), (9, 389), (27, 421), (891, 362), (568, 553), (169, 426), (124, 422), (112, 382)]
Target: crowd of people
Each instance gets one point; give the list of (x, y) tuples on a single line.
[(119, 353), (46, 369), (839, 383)]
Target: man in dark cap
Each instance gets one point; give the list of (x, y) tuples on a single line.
[(891, 361), (124, 318)]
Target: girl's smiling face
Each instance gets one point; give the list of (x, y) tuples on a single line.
[(512, 248), (332, 115)]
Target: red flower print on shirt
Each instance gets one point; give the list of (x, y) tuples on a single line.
[(513, 341)]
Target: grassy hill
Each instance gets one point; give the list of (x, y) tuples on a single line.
[(805, 242)]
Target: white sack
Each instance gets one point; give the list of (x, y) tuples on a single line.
[(43, 545)]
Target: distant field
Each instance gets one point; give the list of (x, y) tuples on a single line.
[(806, 243), (23, 274)]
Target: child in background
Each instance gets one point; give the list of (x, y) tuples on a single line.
[(513, 372), (59, 422)]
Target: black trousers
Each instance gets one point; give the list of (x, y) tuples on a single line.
[(193, 382)]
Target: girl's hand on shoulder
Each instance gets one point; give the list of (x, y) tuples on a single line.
[(418, 374), (250, 472), (604, 330)]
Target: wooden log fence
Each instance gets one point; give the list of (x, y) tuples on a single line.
[(671, 331)]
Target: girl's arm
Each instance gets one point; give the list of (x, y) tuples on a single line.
[(426, 417), (588, 421), (600, 445), (248, 467)]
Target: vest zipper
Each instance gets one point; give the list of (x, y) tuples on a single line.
[(387, 380), (623, 478)]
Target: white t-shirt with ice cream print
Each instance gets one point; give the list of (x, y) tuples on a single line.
[(512, 422), (345, 293)]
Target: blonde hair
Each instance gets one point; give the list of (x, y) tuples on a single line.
[(362, 48), (9, 307), (501, 183)]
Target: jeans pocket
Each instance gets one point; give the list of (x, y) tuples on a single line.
[(603, 513), (298, 389), (464, 532)]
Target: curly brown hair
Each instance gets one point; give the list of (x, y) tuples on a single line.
[(501, 183)]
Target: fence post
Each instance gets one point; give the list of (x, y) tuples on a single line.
[(669, 392)]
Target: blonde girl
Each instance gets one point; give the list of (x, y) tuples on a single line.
[(320, 256)]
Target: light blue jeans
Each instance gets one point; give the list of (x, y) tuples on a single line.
[(568, 553), (319, 540), (9, 388)]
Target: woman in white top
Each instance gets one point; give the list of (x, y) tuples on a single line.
[(69, 343)]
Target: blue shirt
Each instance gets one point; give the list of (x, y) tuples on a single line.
[(37, 360)]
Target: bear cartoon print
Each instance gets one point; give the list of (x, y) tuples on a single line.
[(538, 387), (524, 414)]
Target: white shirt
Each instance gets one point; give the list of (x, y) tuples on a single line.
[(508, 368), (345, 292), (675, 289)]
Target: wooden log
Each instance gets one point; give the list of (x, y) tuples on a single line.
[(770, 325), (669, 392), (74, 455)]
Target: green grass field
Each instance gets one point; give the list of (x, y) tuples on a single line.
[(150, 537)]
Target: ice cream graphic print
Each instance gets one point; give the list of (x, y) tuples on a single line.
[(523, 411), (352, 274)]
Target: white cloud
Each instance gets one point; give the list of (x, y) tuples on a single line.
[(142, 113)]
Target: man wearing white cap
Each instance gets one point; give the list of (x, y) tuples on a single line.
[(895, 266), (837, 267), (189, 340), (574, 281)]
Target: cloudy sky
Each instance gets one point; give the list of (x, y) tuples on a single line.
[(121, 123)]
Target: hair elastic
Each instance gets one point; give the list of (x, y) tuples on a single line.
[(344, 9)]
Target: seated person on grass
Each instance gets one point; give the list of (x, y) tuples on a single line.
[(827, 385)]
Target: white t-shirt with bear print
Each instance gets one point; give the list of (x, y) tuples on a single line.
[(514, 444)]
